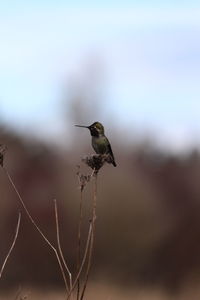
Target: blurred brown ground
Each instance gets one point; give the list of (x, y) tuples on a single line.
[(148, 225)]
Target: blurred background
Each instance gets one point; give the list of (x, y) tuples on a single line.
[(135, 67)]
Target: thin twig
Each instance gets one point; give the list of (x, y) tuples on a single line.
[(88, 265), (83, 260), (38, 229), (59, 245), (12, 245), (79, 240), (92, 237)]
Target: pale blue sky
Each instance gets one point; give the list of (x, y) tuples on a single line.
[(150, 52)]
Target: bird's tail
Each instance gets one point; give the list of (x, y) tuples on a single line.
[(114, 163)]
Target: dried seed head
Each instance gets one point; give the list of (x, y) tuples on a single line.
[(83, 179), (97, 161)]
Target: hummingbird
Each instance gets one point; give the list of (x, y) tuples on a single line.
[(100, 142)]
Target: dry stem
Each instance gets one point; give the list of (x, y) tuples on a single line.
[(83, 179), (92, 237), (79, 240), (83, 260), (59, 245), (38, 229), (12, 245)]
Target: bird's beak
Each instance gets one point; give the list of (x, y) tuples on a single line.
[(81, 126)]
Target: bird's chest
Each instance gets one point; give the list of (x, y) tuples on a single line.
[(99, 144)]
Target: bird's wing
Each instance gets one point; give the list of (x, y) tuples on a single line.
[(111, 154)]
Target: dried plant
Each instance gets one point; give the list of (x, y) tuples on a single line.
[(97, 161), (82, 179), (59, 245), (12, 245), (83, 261), (92, 237), (38, 228)]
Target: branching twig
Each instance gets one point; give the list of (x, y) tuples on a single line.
[(83, 180), (59, 245), (12, 246), (79, 240), (95, 162), (92, 237), (36, 226), (83, 260), (88, 265)]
